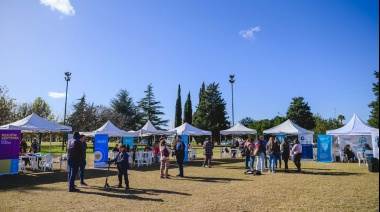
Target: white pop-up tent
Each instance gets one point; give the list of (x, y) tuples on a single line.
[(188, 129), (238, 129), (304, 136), (111, 130), (355, 133), (36, 124), (149, 129)]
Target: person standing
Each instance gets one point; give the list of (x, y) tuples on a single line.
[(74, 158), (121, 161), (264, 142), (174, 145), (285, 153), (277, 151), (83, 161), (208, 147), (251, 147), (260, 157), (247, 153), (164, 158), (180, 155), (271, 153), (34, 145), (297, 150)]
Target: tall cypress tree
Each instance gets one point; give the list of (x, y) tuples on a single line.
[(374, 117), (188, 111), (178, 109)]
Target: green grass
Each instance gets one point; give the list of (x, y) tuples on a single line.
[(224, 187)]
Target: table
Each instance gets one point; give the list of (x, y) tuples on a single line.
[(234, 151)]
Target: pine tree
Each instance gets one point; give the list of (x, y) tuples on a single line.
[(188, 111), (211, 111), (299, 112), (178, 109), (82, 117), (123, 104), (151, 109), (374, 117)]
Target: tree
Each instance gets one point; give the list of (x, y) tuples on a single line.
[(123, 105), (299, 112), (322, 125), (83, 116), (246, 121), (151, 109), (211, 111), (41, 108), (23, 110), (188, 111), (261, 125), (7, 106), (341, 118), (374, 116), (178, 109)]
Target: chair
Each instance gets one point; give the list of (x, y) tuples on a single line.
[(360, 157), (62, 159), (343, 157), (130, 159), (149, 158), (193, 154), (48, 162), (139, 158), (21, 165), (34, 162)]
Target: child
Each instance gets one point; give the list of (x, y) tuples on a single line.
[(121, 160)]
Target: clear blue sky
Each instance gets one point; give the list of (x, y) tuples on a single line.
[(323, 50)]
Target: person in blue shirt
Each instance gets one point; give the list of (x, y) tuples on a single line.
[(180, 155), (265, 146), (121, 161), (366, 147)]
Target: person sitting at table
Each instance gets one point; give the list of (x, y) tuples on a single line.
[(34, 145), (22, 153), (24, 145), (366, 147), (347, 151), (147, 148), (31, 151), (116, 148)]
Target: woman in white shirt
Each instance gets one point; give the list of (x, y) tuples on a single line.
[(164, 158)]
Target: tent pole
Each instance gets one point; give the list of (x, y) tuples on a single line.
[(51, 137), (220, 142)]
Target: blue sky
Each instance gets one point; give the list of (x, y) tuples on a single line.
[(325, 51)]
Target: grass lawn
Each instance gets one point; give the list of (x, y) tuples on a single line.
[(224, 187)]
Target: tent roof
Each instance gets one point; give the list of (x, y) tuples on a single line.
[(149, 129), (237, 130), (287, 127), (354, 127), (35, 123), (187, 129), (111, 130)]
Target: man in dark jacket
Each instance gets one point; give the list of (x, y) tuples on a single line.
[(82, 165), (208, 145), (121, 160), (180, 155), (74, 158)]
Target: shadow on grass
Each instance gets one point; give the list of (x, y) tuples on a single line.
[(210, 179), (34, 178), (327, 173), (121, 194)]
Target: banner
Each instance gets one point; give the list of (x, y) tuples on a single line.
[(280, 137), (324, 148), (355, 141), (100, 150), (306, 141), (185, 139), (128, 141), (375, 143), (9, 151)]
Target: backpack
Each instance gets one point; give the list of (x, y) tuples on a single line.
[(247, 151), (166, 152)]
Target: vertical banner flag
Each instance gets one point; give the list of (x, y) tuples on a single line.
[(101, 150), (375, 143), (185, 139), (9, 151), (306, 141), (128, 141), (324, 148), (280, 137)]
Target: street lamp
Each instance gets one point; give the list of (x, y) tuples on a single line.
[(67, 79), (232, 80)]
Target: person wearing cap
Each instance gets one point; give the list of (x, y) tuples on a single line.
[(121, 160), (74, 158), (180, 155)]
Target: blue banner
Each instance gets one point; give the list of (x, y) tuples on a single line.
[(101, 150), (306, 141), (324, 148), (185, 139), (280, 137), (128, 141)]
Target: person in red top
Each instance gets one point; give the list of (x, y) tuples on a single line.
[(156, 151)]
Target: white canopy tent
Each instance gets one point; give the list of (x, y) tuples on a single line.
[(188, 129), (355, 132), (238, 129), (112, 131), (36, 124), (305, 137), (149, 129)]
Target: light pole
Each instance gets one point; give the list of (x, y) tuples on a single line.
[(232, 80), (67, 79)]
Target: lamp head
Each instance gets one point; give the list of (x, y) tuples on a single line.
[(232, 78), (68, 76)]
